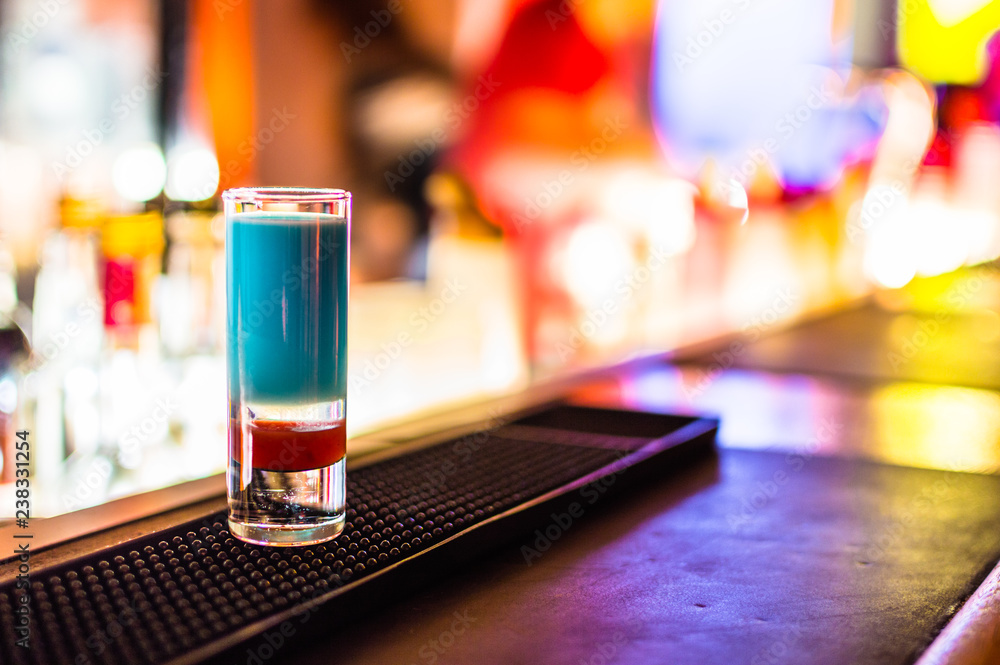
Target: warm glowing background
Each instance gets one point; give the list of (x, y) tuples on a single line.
[(541, 186)]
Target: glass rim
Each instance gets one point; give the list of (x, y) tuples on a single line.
[(286, 194)]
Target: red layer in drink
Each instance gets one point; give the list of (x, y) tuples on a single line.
[(283, 445)]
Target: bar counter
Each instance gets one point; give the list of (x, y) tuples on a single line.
[(852, 511), (850, 515)]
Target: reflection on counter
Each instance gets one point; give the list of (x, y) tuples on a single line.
[(911, 424)]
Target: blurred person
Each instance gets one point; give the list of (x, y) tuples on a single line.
[(395, 93)]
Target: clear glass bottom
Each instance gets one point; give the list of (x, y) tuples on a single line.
[(287, 508)]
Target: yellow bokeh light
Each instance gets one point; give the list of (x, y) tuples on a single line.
[(944, 41), (937, 426)]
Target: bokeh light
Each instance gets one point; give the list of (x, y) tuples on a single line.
[(192, 173), (140, 172)]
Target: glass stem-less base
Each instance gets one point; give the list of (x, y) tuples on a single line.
[(289, 508)]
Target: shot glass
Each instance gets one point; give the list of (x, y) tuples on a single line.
[(287, 267)]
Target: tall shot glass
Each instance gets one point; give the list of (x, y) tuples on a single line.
[(287, 267)]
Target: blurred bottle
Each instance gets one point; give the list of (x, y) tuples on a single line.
[(14, 350), (467, 255), (66, 338), (132, 250), (65, 325), (188, 307), (9, 303), (132, 368)]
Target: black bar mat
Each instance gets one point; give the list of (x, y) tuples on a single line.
[(194, 592)]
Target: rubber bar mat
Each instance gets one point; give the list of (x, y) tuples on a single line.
[(194, 593)]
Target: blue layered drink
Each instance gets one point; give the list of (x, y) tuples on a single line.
[(287, 282)]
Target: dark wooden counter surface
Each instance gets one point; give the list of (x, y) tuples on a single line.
[(750, 560), (852, 511)]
